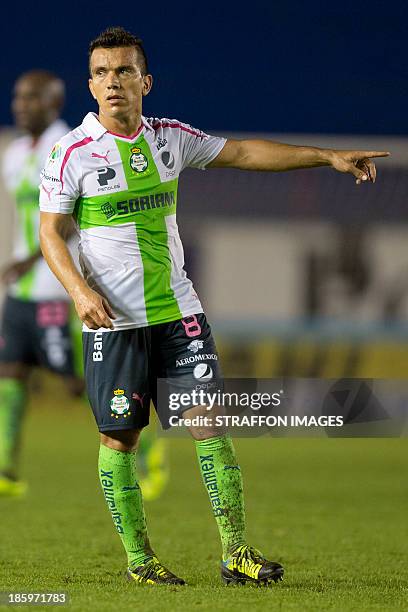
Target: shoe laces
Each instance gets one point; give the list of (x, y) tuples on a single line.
[(247, 560), (153, 568)]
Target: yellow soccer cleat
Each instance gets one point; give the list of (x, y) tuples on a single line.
[(12, 488), (153, 572), (247, 564)]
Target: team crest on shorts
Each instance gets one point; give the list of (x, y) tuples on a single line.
[(138, 160), (120, 404)]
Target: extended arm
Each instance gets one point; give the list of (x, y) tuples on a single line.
[(92, 308), (278, 157)]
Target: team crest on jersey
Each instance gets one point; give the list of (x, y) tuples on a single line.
[(138, 160), (119, 404)]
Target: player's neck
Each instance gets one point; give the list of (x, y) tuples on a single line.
[(125, 126), (36, 133)]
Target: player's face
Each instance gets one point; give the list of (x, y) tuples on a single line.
[(32, 106), (117, 83)]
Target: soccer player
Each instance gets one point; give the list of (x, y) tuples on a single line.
[(35, 326), (117, 174)]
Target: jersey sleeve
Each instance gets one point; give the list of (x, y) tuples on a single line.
[(198, 149), (59, 187)]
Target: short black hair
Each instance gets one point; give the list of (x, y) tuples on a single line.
[(119, 37)]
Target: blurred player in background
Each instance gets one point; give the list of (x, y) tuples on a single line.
[(37, 328), (118, 173)]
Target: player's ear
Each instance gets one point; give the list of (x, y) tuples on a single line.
[(91, 88), (147, 84)]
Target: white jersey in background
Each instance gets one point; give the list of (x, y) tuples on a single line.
[(122, 192), (22, 163)]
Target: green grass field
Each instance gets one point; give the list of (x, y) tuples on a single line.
[(333, 511)]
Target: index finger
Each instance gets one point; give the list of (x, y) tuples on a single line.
[(372, 153)]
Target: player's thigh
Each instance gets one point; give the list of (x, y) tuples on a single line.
[(116, 366), (53, 342), (186, 346), (186, 360)]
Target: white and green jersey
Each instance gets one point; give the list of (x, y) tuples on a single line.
[(122, 191), (21, 167)]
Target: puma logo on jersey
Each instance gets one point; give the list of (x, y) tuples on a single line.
[(105, 157)]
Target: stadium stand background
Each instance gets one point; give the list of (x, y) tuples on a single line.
[(301, 273), (272, 67)]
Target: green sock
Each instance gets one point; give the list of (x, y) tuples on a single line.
[(223, 481), (12, 407), (123, 496)]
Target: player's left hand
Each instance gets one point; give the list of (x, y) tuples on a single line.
[(357, 163)]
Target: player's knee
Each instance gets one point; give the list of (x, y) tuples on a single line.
[(125, 440), (205, 424), (205, 433)]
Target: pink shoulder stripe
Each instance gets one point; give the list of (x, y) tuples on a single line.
[(68, 152), (166, 124)]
